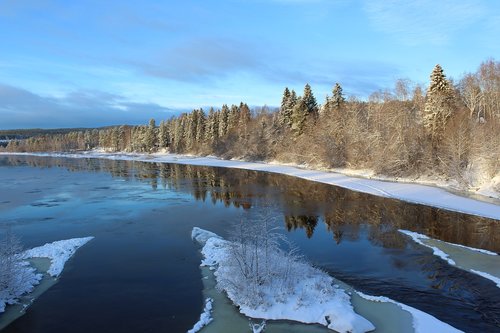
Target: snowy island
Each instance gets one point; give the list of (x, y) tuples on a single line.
[(266, 282)]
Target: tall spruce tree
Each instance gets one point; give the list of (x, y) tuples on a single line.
[(438, 105), (151, 139), (338, 99), (310, 101), (285, 112), (224, 120), (299, 116)]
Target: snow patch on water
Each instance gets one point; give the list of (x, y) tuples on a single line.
[(422, 322), (205, 317), (417, 238), (58, 252), (487, 276)]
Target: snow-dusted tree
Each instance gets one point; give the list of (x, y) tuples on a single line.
[(257, 260), (163, 135), (471, 95), (151, 138), (309, 101), (212, 130), (438, 105), (200, 128), (338, 100), (299, 117), (224, 120), (286, 109), (15, 277), (234, 117)]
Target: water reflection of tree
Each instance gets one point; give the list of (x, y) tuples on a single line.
[(304, 203)]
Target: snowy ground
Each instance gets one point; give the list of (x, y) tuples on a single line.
[(330, 303), (415, 193), (478, 261), (58, 252)]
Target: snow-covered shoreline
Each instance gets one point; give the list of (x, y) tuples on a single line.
[(409, 192)]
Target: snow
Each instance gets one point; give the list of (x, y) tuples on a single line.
[(422, 322), (27, 278), (409, 192), (418, 239), (58, 252), (487, 276), (205, 317), (311, 297)]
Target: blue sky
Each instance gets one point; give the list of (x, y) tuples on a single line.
[(94, 63)]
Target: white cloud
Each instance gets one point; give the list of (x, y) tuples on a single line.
[(415, 22)]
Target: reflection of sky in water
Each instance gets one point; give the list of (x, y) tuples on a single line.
[(142, 272)]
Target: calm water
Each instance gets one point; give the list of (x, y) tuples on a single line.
[(141, 272)]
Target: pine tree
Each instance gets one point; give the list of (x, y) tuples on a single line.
[(212, 132), (438, 105), (224, 120), (151, 138), (285, 110), (310, 101), (200, 132), (163, 135), (299, 116), (337, 99)]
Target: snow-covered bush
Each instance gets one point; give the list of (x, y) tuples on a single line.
[(257, 262), (16, 276)]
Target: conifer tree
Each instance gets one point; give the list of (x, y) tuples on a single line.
[(285, 110), (438, 105), (200, 132), (337, 100), (234, 117), (299, 116), (163, 135), (309, 101), (151, 138), (224, 120)]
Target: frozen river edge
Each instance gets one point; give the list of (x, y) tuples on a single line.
[(409, 192)]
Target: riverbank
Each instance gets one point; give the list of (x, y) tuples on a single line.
[(410, 192)]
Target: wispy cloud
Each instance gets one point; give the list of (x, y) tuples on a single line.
[(198, 60), (415, 22), (20, 108)]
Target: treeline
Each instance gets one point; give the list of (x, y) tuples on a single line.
[(451, 131)]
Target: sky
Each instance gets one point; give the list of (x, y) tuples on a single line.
[(96, 63)]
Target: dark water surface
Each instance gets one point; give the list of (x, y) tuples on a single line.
[(141, 272)]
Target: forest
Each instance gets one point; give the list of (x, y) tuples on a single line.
[(449, 131)]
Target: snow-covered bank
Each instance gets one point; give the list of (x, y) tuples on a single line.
[(390, 316), (311, 296), (478, 261), (414, 193), (422, 322), (27, 277)]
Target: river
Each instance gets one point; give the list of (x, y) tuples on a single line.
[(141, 272)]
